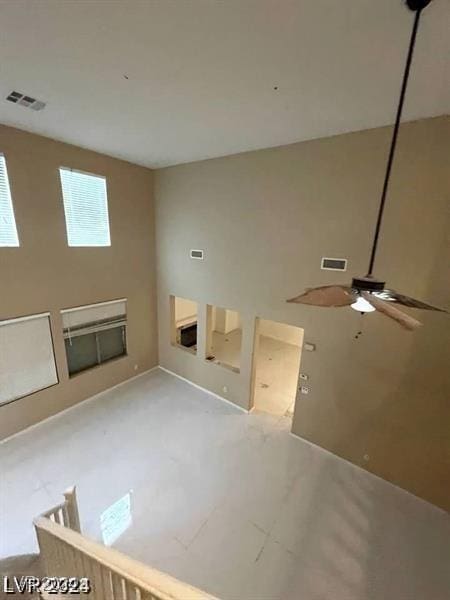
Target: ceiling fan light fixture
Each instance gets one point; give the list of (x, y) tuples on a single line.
[(361, 305)]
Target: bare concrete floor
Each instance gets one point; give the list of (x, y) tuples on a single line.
[(232, 503)]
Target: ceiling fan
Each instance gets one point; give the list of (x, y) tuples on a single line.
[(366, 294)]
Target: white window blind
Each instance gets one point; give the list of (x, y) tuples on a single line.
[(8, 230), (86, 208), (27, 362), (93, 313)]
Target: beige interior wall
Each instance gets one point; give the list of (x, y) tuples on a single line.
[(225, 320), (44, 274), (184, 309), (233, 320), (385, 394), (282, 332)]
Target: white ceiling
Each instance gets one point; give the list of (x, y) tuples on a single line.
[(201, 73)]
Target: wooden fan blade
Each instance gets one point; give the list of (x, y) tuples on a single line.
[(393, 296), (326, 295), (387, 309)]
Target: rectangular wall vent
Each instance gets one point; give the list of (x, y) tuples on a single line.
[(24, 100), (334, 264), (197, 254)]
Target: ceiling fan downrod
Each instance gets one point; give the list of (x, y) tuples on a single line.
[(369, 282)]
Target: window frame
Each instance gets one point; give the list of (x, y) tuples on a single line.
[(91, 328), (108, 220), (9, 201), (29, 317)]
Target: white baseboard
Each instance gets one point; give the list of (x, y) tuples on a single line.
[(199, 387), (74, 406)]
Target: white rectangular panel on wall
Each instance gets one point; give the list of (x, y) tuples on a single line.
[(27, 360)]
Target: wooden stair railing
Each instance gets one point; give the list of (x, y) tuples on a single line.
[(66, 513), (30, 565), (112, 575)]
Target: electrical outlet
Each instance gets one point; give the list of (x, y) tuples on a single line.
[(366, 457), (309, 347), (224, 389), (136, 367), (304, 390), (304, 376)]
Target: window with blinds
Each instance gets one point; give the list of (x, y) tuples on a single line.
[(86, 208), (8, 230), (94, 334), (27, 360)]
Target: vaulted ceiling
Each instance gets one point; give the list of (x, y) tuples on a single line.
[(159, 82)]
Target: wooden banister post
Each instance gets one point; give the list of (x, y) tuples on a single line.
[(70, 496)]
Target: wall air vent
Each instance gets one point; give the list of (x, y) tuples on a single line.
[(24, 100), (334, 264), (197, 254)]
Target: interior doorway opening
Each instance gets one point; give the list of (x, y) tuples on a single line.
[(223, 337), (276, 367)]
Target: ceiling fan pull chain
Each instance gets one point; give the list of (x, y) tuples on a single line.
[(394, 139)]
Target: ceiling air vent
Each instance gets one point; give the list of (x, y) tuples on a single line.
[(24, 100), (334, 264), (197, 254)]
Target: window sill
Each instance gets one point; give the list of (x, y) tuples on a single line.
[(185, 349), (95, 367), (224, 365)]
